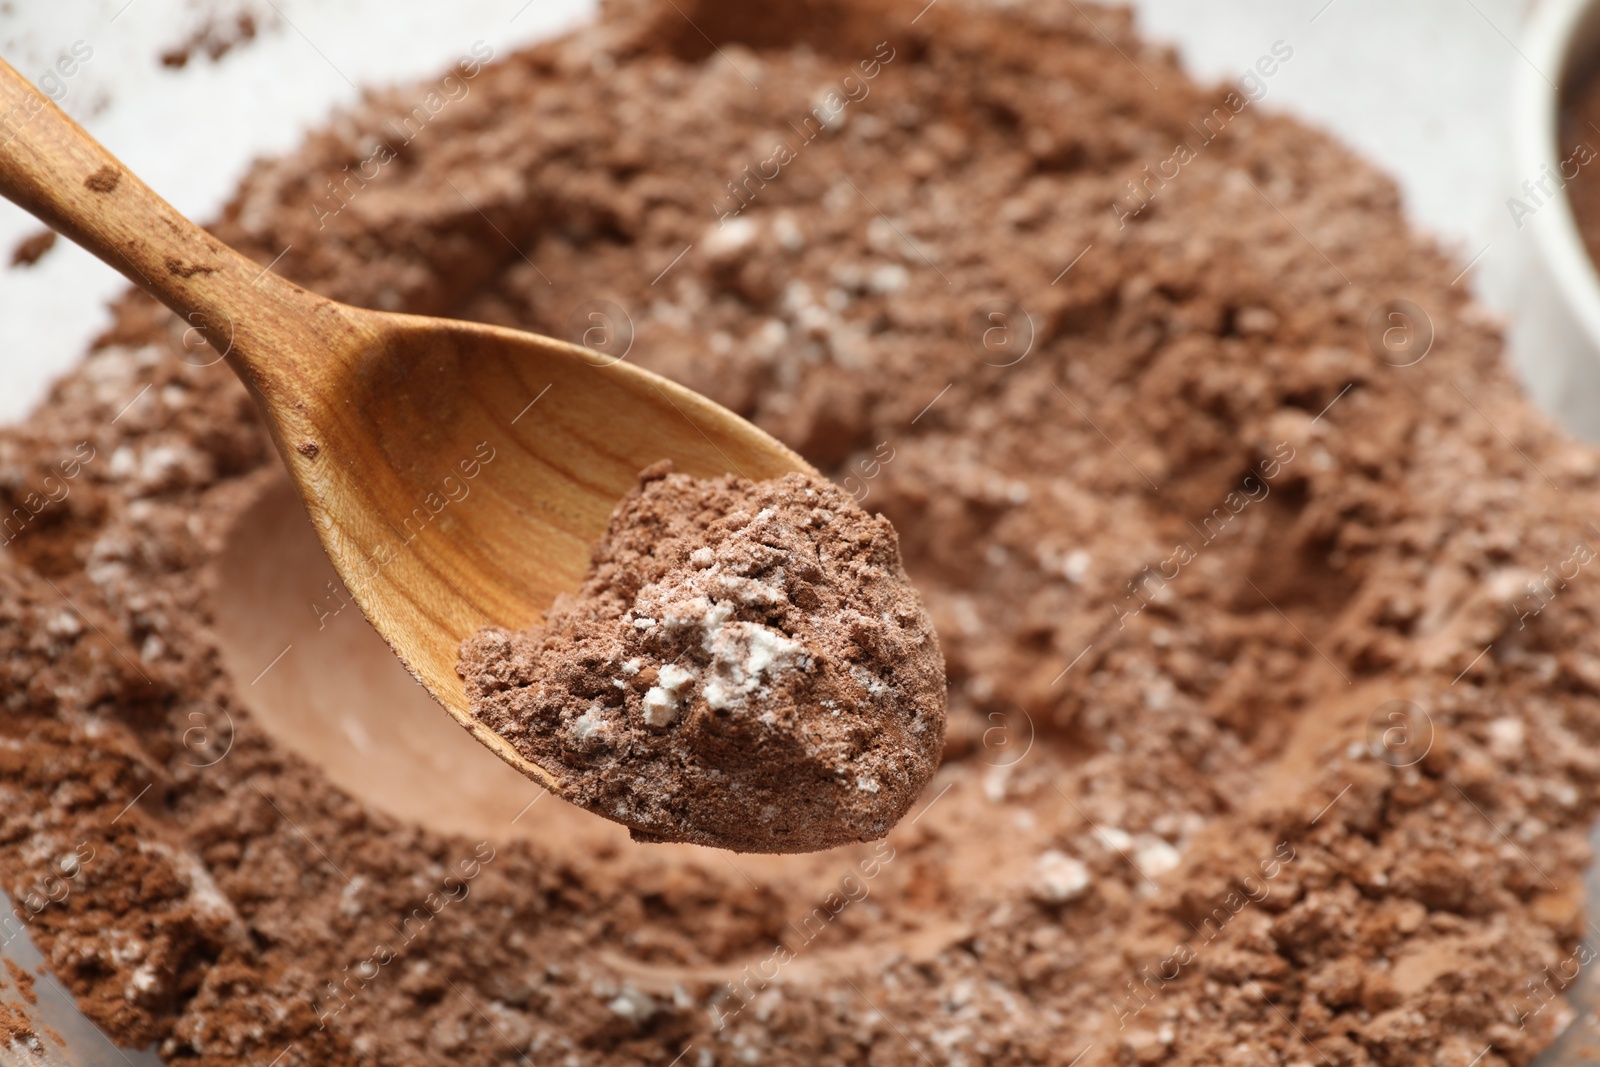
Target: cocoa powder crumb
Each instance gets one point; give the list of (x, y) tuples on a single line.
[(103, 180), (215, 36), (18, 1035), (746, 666), (32, 249), (23, 981)]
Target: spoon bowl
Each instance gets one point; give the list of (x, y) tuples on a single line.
[(458, 475)]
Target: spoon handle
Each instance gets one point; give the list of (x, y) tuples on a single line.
[(66, 178)]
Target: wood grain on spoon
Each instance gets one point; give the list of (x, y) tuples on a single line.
[(445, 501)]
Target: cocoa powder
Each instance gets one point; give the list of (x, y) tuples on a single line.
[(1575, 176), (1199, 836), (23, 981), (32, 249), (746, 666), (20, 1039)]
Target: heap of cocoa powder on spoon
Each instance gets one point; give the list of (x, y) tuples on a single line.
[(747, 666)]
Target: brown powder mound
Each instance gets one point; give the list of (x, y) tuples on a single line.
[(746, 666), (1178, 821)]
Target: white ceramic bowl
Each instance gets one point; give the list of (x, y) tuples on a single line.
[(1556, 326)]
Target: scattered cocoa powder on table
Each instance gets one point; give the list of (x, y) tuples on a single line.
[(32, 248), (23, 981), (746, 666), (1175, 823), (21, 1037), (18, 1037)]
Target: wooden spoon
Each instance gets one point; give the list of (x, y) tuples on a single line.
[(457, 474)]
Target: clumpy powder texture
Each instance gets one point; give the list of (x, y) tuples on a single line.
[(21, 1037), (1186, 543), (746, 666)]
